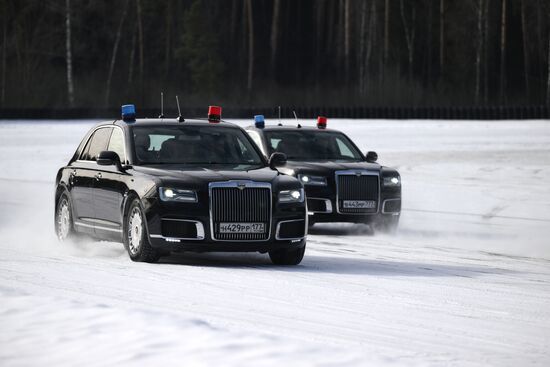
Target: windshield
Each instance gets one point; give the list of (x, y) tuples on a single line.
[(312, 145), (204, 145)]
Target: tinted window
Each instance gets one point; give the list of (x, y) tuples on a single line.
[(202, 145), (116, 144), (257, 139), (96, 144), (312, 145)]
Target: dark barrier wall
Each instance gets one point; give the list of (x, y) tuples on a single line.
[(439, 113)]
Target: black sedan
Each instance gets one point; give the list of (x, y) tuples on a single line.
[(160, 185), (342, 184)]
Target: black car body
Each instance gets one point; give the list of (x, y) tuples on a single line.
[(153, 183), (342, 184)]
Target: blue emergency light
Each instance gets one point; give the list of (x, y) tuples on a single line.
[(129, 113), (259, 121)]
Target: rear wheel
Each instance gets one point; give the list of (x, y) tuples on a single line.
[(287, 257), (64, 227), (135, 236)]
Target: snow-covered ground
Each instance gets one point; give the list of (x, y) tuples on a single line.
[(465, 281)]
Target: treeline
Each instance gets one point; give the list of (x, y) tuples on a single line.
[(90, 53)]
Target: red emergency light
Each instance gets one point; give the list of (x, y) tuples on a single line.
[(214, 114), (321, 122)]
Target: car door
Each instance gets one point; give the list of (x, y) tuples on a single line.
[(109, 190), (83, 177)]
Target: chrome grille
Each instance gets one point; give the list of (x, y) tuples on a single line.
[(360, 185), (230, 202)]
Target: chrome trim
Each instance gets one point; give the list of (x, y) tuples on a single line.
[(236, 184), (198, 225), (98, 227), (328, 205), (290, 239), (357, 172), (384, 206)]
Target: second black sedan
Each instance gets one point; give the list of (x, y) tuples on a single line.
[(342, 184), (160, 185)]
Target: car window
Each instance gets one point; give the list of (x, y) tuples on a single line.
[(257, 139), (96, 144), (194, 145), (345, 150), (312, 145), (116, 144)]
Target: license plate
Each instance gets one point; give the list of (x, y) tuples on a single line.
[(359, 204), (242, 227)]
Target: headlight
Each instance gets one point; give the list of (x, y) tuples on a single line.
[(392, 181), (291, 196), (313, 180), (182, 196)]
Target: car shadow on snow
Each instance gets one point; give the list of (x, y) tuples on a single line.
[(330, 265)]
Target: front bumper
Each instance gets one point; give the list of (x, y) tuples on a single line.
[(322, 206), (196, 235)]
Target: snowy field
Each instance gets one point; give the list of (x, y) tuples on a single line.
[(465, 281)]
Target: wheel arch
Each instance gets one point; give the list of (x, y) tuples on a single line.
[(127, 201)]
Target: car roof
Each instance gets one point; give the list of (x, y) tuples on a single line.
[(289, 128), (167, 122)]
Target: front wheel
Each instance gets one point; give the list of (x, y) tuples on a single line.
[(287, 257), (135, 236), (64, 228)]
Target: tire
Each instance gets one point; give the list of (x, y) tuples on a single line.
[(386, 224), (135, 236), (64, 226), (287, 257)]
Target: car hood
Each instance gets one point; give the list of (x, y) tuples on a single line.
[(326, 168), (212, 174)]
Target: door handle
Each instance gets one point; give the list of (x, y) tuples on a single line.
[(98, 176)]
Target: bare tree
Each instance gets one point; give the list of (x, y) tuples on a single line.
[(548, 79), (362, 37), (367, 35), (441, 36), (4, 56), (250, 45), (486, 53), (410, 31), (168, 38), (479, 48), (275, 33), (386, 31), (114, 54), (68, 55), (347, 36), (140, 41), (132, 57), (524, 29), (319, 37), (503, 53)]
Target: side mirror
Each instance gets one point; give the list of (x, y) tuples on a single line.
[(109, 158), (277, 160), (372, 157)]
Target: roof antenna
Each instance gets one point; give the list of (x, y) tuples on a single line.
[(280, 124), (180, 117), (161, 105), (296, 117)]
